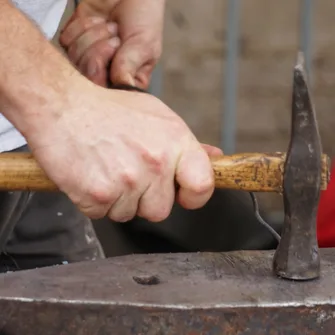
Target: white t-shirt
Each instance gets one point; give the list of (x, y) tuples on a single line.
[(47, 14)]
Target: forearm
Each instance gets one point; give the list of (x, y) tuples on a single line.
[(34, 76)]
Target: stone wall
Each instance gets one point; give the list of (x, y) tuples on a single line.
[(193, 65)]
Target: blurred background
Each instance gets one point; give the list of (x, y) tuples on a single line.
[(227, 70)]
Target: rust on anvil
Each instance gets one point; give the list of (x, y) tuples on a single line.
[(197, 293)]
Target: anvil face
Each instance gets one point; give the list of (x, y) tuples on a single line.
[(175, 294)]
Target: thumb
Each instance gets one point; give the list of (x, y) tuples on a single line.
[(195, 178), (211, 150), (127, 62)]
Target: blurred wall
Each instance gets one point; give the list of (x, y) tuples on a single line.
[(194, 58), (193, 62)]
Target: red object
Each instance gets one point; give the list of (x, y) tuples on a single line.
[(326, 214)]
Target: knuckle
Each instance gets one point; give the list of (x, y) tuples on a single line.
[(86, 24), (203, 187), (74, 197), (89, 207), (98, 56), (72, 52), (177, 125), (150, 46), (152, 50), (161, 215), (157, 161), (101, 193), (130, 178), (157, 51), (97, 33), (92, 68), (155, 215), (121, 217), (93, 213), (156, 210)]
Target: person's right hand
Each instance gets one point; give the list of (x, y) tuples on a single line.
[(120, 154)]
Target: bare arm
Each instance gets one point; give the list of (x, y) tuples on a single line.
[(33, 74), (113, 153)]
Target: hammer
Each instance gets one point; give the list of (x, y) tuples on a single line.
[(299, 174)]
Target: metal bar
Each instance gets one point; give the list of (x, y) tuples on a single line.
[(306, 34), (228, 132)]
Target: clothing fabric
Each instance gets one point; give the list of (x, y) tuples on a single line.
[(227, 222), (46, 14), (326, 214), (40, 229)]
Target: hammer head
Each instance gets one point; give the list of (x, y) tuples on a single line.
[(297, 255)]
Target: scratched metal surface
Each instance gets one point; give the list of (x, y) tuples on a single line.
[(200, 293)]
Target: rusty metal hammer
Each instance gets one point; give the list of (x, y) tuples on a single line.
[(297, 255), (299, 174)]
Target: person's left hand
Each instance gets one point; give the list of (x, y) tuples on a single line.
[(126, 32)]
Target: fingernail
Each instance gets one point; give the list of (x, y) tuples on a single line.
[(130, 80), (114, 42), (112, 27)]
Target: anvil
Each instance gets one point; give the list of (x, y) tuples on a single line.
[(198, 293), (240, 292)]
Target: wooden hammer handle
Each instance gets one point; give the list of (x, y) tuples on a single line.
[(258, 172)]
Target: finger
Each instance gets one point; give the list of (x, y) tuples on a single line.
[(97, 195), (141, 79), (143, 76), (127, 61), (211, 150), (125, 208), (89, 38), (96, 59), (157, 201), (94, 211), (76, 27), (195, 177), (95, 201)]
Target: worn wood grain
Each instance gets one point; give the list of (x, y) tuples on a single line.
[(258, 172)]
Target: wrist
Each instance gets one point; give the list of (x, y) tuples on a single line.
[(36, 80), (34, 107), (41, 120)]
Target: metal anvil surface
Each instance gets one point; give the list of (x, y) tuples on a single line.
[(175, 294)]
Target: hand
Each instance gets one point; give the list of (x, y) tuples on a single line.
[(126, 32), (120, 153)]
